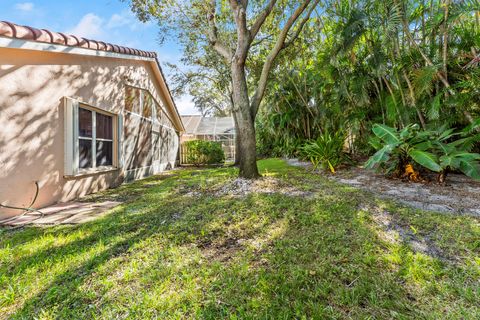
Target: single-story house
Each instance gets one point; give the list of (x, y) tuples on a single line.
[(220, 129), (78, 116)]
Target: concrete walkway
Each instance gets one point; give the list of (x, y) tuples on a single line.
[(65, 213)]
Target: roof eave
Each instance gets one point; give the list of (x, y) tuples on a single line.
[(16, 43), (173, 106)]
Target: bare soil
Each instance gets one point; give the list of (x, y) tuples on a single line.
[(393, 230), (268, 185), (242, 187), (459, 195)]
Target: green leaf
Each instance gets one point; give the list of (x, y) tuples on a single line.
[(375, 142), (426, 145), (466, 156), (447, 161), (423, 79), (447, 134), (472, 127), (391, 109), (386, 133), (332, 169), (434, 110), (420, 137), (465, 144), (425, 159), (471, 169), (444, 148), (406, 132), (380, 156), (455, 159)]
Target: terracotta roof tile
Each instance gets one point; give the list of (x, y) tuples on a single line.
[(15, 31), (11, 30)]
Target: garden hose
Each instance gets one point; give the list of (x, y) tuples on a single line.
[(26, 210)]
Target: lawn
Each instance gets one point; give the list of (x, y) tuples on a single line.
[(299, 246)]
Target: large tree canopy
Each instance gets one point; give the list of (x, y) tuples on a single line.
[(207, 81), (235, 30)]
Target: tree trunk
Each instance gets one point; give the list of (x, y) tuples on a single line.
[(245, 123), (237, 140), (442, 176), (247, 147)]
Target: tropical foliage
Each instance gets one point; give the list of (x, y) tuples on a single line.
[(394, 62), (326, 151), (440, 150)]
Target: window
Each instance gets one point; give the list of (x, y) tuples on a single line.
[(138, 101), (85, 138), (138, 135), (95, 139), (92, 139), (104, 141), (139, 115), (141, 103)]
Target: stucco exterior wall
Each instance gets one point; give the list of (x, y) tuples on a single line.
[(32, 87)]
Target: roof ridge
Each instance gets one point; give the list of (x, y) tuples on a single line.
[(15, 31)]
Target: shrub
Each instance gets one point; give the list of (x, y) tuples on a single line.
[(200, 152), (269, 145), (326, 151)]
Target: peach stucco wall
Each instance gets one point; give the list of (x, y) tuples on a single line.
[(32, 85)]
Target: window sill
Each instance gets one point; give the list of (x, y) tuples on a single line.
[(92, 172)]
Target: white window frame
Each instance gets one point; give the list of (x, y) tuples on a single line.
[(71, 143)]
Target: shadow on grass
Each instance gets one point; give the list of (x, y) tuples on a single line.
[(323, 266), (261, 256), (153, 211)]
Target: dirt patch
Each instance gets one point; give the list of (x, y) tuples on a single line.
[(298, 163), (267, 185), (459, 195), (223, 250), (242, 187), (396, 232)]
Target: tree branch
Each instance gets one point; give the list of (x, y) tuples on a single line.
[(261, 18), (301, 25), (213, 33), (279, 45), (260, 41), (239, 9)]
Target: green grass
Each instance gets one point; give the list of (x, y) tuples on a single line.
[(169, 255)]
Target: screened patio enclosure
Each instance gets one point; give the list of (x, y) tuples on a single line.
[(220, 129)]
